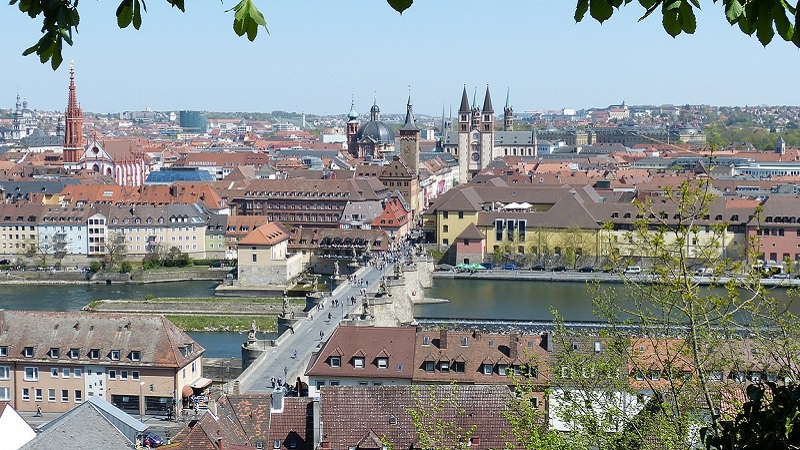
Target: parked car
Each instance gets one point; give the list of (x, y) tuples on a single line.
[(586, 269), (633, 270), (538, 268), (782, 276), (510, 267), (704, 272), (559, 269), (153, 439)]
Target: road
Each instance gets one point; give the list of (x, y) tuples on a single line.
[(280, 362)]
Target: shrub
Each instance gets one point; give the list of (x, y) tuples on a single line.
[(95, 266), (125, 267)]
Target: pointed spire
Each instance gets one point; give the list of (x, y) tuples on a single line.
[(409, 124), (475, 98), (73, 122), (464, 101), (352, 115), (375, 112), (508, 99), (487, 102)]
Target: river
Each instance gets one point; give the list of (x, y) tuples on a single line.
[(469, 299)]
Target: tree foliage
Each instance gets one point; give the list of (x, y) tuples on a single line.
[(762, 18)]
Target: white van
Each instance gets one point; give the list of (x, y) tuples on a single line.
[(704, 272), (632, 270)]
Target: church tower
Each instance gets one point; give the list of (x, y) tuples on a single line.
[(487, 131), (16, 124), (73, 126), (409, 141), (464, 153), (352, 128), (508, 113)]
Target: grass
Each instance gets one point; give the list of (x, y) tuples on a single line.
[(233, 300), (223, 323)]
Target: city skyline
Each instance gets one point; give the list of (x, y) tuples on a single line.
[(314, 62)]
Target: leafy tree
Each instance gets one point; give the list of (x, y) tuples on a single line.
[(764, 18), (429, 416), (770, 420), (673, 354), (116, 250)]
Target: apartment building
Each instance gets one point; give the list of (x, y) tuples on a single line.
[(55, 360)]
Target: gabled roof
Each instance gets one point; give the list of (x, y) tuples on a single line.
[(369, 343), (266, 235), (355, 414), (83, 427), (13, 428), (159, 342)]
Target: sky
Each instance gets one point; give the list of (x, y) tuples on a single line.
[(319, 53)]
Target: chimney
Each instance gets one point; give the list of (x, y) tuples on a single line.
[(316, 415), (513, 347), (443, 339), (476, 334), (547, 341)]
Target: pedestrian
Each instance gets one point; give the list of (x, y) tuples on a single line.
[(294, 356), (38, 411), (321, 334), (291, 329), (272, 380), (329, 317)]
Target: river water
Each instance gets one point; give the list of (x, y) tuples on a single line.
[(469, 299)]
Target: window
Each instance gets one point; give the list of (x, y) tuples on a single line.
[(358, 362), (3, 351), (501, 369), (136, 355), (135, 375), (112, 374), (334, 383), (27, 352), (459, 367), (54, 372), (115, 355), (445, 228), (336, 361), (464, 341), (31, 374), (5, 373), (51, 395), (26, 393), (255, 257), (77, 372), (444, 366), (65, 372), (54, 352), (78, 396), (383, 363), (65, 395), (445, 214), (426, 341), (74, 353), (461, 214), (5, 393), (94, 353), (488, 369), (37, 394), (429, 365), (123, 375)]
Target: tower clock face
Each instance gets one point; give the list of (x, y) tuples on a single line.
[(476, 156)]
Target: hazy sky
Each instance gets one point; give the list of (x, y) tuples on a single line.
[(319, 52)]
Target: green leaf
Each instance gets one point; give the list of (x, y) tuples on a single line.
[(764, 32), (177, 4), (782, 24), (688, 20), (600, 10), (580, 9), (671, 21), (651, 6), (125, 13), (733, 11), (247, 18), (137, 15), (400, 5)]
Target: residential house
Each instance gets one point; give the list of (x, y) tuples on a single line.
[(264, 259), (56, 360)]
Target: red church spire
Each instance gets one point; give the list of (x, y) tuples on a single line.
[(73, 123)]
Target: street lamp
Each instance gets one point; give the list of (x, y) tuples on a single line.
[(141, 401)]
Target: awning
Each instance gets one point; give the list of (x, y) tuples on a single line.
[(201, 383), (187, 391)]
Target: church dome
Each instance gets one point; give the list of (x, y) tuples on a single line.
[(377, 131)]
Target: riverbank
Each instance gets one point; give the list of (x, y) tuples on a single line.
[(600, 277), (206, 314), (64, 277)]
